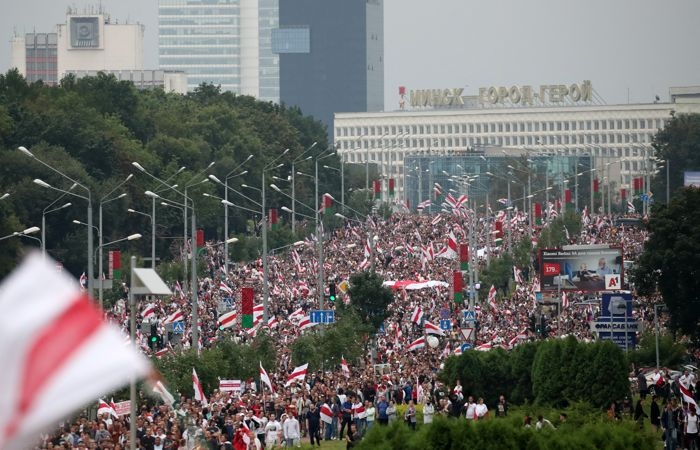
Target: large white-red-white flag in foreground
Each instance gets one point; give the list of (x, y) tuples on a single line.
[(53, 342), (198, 391), (299, 374)]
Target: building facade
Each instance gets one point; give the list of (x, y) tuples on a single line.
[(331, 56), (35, 55), (617, 137), (222, 42)]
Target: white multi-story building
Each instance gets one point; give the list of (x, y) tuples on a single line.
[(618, 137), (223, 42)]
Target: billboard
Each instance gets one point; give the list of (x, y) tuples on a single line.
[(579, 269)]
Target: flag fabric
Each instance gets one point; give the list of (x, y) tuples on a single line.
[(298, 374), (299, 313), (83, 281), (160, 389), (630, 207), (326, 413), (451, 250), (105, 408), (148, 312), (227, 320), (197, 386), (305, 323), (417, 315), (417, 344), (247, 309), (272, 322), (517, 275), (687, 396), (51, 337), (431, 328), (344, 367), (368, 248), (492, 298), (223, 287), (484, 347), (265, 378), (422, 205), (174, 317), (564, 300)]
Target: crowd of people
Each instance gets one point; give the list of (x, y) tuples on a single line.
[(331, 404)]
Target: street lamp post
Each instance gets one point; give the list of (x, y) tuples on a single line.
[(300, 158), (43, 221), (230, 175), (20, 233), (153, 230), (89, 211)]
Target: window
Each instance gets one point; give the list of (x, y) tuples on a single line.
[(291, 40)]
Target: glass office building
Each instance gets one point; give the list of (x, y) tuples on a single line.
[(223, 42)]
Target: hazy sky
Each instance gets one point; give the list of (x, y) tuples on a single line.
[(625, 47)]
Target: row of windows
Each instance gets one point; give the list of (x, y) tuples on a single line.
[(200, 40), (199, 22), (198, 31), (204, 72), (211, 60), (191, 51), (223, 11), (505, 127)]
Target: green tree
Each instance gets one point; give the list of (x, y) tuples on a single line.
[(370, 298), (671, 256), (678, 143)]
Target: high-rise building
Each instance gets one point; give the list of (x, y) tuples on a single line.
[(331, 56), (35, 56), (223, 42)]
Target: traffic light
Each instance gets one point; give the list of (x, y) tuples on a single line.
[(331, 292), (153, 337)]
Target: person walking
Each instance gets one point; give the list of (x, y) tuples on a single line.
[(655, 414), (639, 414), (691, 429), (313, 424)]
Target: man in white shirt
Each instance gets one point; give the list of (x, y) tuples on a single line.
[(687, 380), (292, 434), (428, 412), (272, 429), (471, 408)]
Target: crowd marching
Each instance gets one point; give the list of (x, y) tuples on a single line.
[(289, 402)]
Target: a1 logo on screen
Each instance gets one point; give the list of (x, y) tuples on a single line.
[(551, 269)]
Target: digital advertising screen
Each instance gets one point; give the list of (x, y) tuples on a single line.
[(581, 269)]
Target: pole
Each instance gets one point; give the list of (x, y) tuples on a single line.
[(668, 185), (226, 227), (294, 200), (195, 303), (132, 384), (529, 202), (366, 171), (342, 184), (43, 235), (184, 242), (91, 263), (656, 325), (319, 242), (266, 274), (576, 186), (508, 209), (153, 235), (101, 256)]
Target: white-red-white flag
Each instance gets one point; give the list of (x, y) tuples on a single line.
[(326, 413), (417, 315), (305, 323), (687, 396), (227, 320), (197, 386), (492, 299), (105, 408), (272, 322), (431, 328), (417, 344), (265, 378), (564, 300), (344, 367), (160, 389), (174, 317), (51, 335), (224, 287), (298, 374), (148, 312)]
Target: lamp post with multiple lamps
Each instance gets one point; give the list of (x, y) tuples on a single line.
[(232, 174), (299, 159), (87, 197), (49, 210)]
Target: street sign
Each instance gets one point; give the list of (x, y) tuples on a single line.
[(466, 347), (468, 333), (381, 329), (322, 316), (616, 305), (630, 326), (179, 327), (445, 324), (469, 316), (445, 313)]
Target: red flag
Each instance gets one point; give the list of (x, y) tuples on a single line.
[(197, 386), (344, 366)]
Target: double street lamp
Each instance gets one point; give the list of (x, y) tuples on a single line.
[(25, 232), (49, 210), (87, 197)]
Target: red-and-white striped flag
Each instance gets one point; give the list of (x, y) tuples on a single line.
[(265, 378), (174, 317), (197, 386), (272, 322), (417, 315), (299, 313), (258, 311), (105, 408), (431, 328), (344, 367), (298, 374), (687, 396), (165, 395), (305, 323), (227, 320), (51, 337), (484, 347), (148, 312), (417, 344), (564, 300), (492, 298), (225, 288), (326, 413)]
